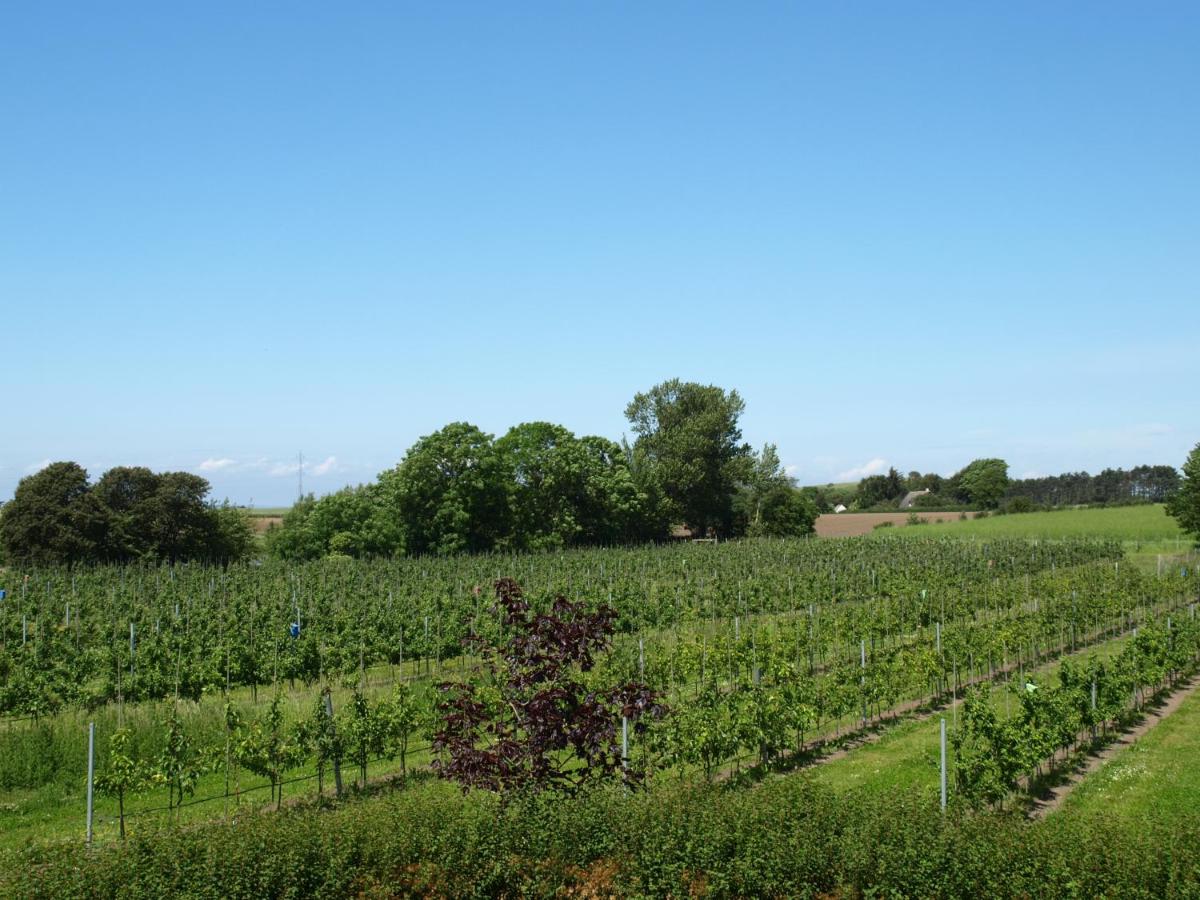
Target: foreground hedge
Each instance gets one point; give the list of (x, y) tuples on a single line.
[(789, 837)]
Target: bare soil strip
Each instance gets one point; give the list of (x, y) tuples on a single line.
[(1054, 796), (853, 524)]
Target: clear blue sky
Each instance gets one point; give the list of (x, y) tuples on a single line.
[(906, 233)]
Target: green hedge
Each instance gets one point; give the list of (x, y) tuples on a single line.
[(789, 837)]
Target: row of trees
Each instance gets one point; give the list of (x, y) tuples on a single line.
[(984, 484), (58, 517), (267, 746), (1149, 484), (541, 487), (981, 484), (993, 752)]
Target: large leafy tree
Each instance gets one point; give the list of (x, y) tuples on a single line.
[(1185, 504), (131, 513), (875, 489), (689, 447), (982, 483), (353, 521), (448, 492), (53, 518), (130, 499), (565, 490), (768, 504)]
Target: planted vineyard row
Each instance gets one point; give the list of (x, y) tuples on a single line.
[(721, 710), (993, 753), (763, 690), (88, 636)]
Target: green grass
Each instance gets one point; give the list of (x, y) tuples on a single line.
[(57, 811), (1147, 523), (1146, 531), (262, 512), (1155, 780), (906, 757)]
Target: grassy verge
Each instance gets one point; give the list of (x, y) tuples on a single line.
[(1147, 533), (906, 757), (1155, 780)]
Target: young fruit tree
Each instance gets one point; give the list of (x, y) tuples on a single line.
[(530, 720)]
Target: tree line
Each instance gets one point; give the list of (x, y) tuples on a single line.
[(57, 517), (981, 484), (1148, 484), (541, 487), (984, 484)]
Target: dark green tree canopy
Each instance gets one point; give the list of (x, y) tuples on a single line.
[(982, 483), (566, 491), (1184, 506), (53, 518), (876, 489), (690, 446), (768, 504), (131, 513), (448, 493)]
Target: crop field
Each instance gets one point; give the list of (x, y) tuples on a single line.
[(853, 524), (803, 678), (1145, 523)]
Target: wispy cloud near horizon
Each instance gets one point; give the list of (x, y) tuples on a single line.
[(874, 466), (217, 465)]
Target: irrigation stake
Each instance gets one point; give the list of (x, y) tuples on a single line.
[(943, 772), (625, 747), (337, 759), (91, 775)]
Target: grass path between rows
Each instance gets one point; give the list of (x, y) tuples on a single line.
[(1153, 778), (906, 756)]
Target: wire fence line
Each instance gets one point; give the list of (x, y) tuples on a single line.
[(197, 801)]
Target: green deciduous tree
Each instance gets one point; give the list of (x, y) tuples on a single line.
[(981, 483), (269, 749), (1184, 506), (177, 766), (690, 449), (448, 493), (53, 518), (130, 514), (566, 491), (768, 504)]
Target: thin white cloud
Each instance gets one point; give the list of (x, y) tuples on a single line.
[(34, 468), (872, 467), (216, 465), (283, 469), (323, 468), (791, 470)]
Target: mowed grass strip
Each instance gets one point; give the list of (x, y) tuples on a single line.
[(1144, 523), (1155, 781), (906, 757)]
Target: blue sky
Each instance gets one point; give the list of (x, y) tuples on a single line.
[(908, 234)]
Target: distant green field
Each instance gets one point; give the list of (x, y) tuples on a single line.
[(263, 512), (836, 486), (1148, 523)]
